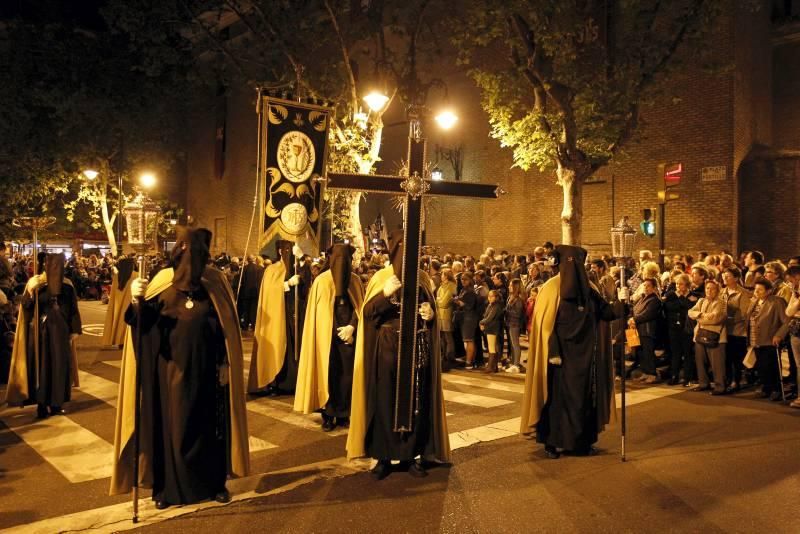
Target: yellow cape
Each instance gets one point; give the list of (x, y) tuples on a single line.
[(17, 392), (542, 324), (312, 374), (269, 343), (358, 407), (118, 300), (239, 460)]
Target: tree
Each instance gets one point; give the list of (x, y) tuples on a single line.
[(568, 96), (79, 96)]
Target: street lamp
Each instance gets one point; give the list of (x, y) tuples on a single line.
[(376, 100), (437, 174), (623, 239), (147, 180), (446, 119), (90, 174)]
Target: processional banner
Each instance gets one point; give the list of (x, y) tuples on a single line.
[(293, 157)]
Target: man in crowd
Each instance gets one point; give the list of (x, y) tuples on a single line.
[(248, 293), (754, 263)]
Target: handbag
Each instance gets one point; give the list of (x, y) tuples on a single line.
[(632, 337), (750, 358), (707, 338)]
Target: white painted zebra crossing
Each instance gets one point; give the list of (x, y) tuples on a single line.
[(80, 455)]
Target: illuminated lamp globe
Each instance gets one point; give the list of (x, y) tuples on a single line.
[(147, 180), (437, 174), (446, 119), (90, 174), (376, 100)]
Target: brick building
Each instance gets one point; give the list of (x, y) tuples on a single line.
[(737, 135)]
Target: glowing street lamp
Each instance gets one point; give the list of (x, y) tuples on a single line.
[(90, 174), (446, 119), (147, 180), (437, 174), (376, 100)]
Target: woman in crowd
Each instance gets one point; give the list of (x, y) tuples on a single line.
[(515, 322), (737, 304), (492, 325), (467, 309), (676, 308), (710, 338), (646, 313), (530, 304), (500, 284), (444, 314)]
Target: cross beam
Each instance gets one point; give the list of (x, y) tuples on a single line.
[(414, 188)]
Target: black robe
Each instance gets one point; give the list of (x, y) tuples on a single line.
[(382, 442), (570, 418), (342, 360), (286, 381), (183, 405), (58, 319)]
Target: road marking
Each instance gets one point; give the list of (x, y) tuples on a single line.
[(283, 413), (490, 432), (113, 363), (75, 452), (474, 400), (258, 444), (94, 330), (495, 385), (99, 387)]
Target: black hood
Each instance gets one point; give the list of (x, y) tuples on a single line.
[(396, 251), (284, 250), (54, 267), (340, 259), (574, 281), (189, 257), (125, 269)]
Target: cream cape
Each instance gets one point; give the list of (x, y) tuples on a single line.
[(312, 374), (17, 390), (114, 328), (269, 344), (239, 460)]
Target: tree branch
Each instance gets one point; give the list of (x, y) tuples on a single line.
[(345, 56), (214, 41)]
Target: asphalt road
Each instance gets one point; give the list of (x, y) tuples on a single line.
[(696, 463)]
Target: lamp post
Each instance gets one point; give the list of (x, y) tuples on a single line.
[(141, 216), (623, 239)]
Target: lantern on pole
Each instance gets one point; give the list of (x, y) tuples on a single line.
[(141, 216), (623, 239)]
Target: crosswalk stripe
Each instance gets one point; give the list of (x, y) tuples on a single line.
[(495, 385), (99, 387), (471, 399), (490, 432), (57, 439), (283, 413), (258, 444)]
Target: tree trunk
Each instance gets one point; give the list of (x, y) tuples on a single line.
[(365, 165), (108, 224), (572, 212)]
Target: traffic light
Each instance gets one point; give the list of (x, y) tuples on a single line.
[(648, 224), (668, 176)]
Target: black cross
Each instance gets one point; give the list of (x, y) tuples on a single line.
[(414, 187)]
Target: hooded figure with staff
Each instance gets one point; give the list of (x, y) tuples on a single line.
[(192, 423)]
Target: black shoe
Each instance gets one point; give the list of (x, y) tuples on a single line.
[(589, 451), (673, 382), (160, 505), (327, 424), (382, 469), (56, 410), (223, 496), (41, 412), (343, 422), (551, 452), (417, 469), (776, 396)]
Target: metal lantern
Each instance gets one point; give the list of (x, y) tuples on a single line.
[(623, 239), (141, 217)]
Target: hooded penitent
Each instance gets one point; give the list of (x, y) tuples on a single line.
[(574, 280), (340, 261), (54, 268), (396, 251), (189, 257), (125, 269), (324, 377), (284, 250)]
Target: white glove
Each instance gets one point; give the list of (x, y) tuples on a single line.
[(138, 288), (34, 283), (297, 251), (294, 280), (425, 311), (391, 286), (623, 294), (345, 333)]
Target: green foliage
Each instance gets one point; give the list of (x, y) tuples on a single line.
[(574, 74)]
